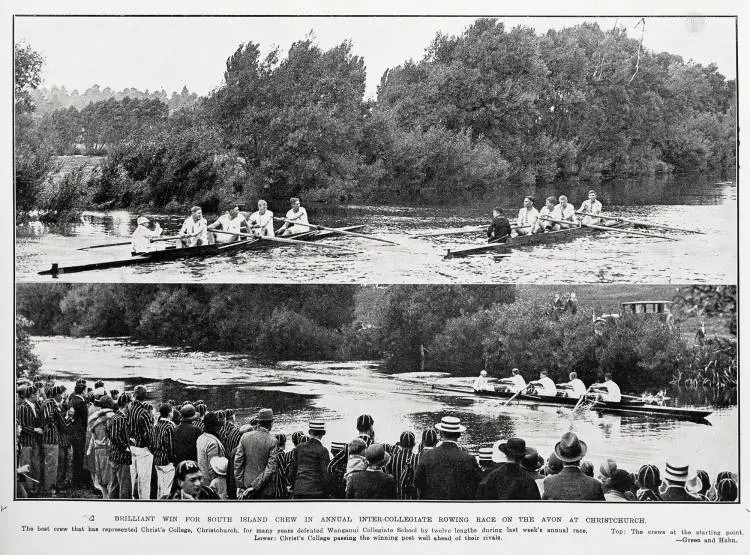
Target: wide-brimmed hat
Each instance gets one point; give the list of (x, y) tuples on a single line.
[(570, 448), (450, 424), (376, 455), (515, 447), (219, 465), (676, 472), (700, 483), (484, 454), (365, 421), (317, 426), (187, 412), (533, 461), (265, 415), (143, 220)]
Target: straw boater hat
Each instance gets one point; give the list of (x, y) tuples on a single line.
[(317, 426), (337, 446), (376, 455), (219, 465), (570, 448), (484, 454), (676, 472), (450, 424)]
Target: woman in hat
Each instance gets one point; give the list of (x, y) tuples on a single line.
[(140, 241), (374, 482)]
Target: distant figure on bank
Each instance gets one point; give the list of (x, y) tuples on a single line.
[(447, 472), (527, 217), (499, 230), (194, 230), (140, 241), (296, 218), (572, 303)]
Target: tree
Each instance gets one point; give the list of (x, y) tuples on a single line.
[(27, 363), (28, 75), (710, 300)]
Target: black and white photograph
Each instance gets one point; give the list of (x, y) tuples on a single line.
[(469, 150)]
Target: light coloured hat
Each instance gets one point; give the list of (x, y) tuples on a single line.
[(676, 472), (143, 220), (317, 426), (484, 454), (219, 465), (450, 424), (265, 415)]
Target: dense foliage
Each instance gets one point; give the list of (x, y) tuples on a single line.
[(27, 363), (489, 108)]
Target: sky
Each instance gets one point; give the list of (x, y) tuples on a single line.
[(169, 53)]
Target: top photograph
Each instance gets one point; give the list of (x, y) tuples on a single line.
[(341, 149)]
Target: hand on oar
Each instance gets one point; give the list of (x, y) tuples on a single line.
[(636, 222), (287, 241), (607, 228), (516, 394), (341, 231)]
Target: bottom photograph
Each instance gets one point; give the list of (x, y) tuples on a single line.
[(611, 393)]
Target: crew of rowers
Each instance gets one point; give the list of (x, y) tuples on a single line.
[(555, 215), (607, 391), (231, 226)]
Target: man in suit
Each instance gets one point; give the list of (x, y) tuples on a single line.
[(509, 480), (255, 460), (374, 482), (185, 436), (77, 433), (308, 473), (675, 477), (447, 471), (571, 483)]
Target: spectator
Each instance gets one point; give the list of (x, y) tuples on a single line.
[(120, 457), (208, 446), (571, 483), (189, 478), (255, 460), (648, 482), (374, 482), (309, 468), (509, 480), (219, 468), (163, 451), (185, 436), (675, 477)]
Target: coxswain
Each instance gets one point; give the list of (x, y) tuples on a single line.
[(575, 388), (194, 230), (516, 382), (481, 383), (544, 386), (565, 212), (232, 220), (608, 390), (499, 229), (593, 207), (261, 221), (143, 234), (543, 225), (527, 217), (296, 218)]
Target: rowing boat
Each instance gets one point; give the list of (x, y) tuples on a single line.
[(548, 238), (202, 251), (634, 407)]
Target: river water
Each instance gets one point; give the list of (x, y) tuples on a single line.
[(688, 202), (339, 392)]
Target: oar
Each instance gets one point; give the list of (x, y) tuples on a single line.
[(516, 394), (287, 241), (644, 224), (466, 231), (608, 228), (122, 243), (341, 231)]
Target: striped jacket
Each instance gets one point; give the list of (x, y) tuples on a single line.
[(336, 471), (401, 467), (229, 435), (282, 483), (28, 418), (54, 423), (119, 444), (140, 424), (162, 442)]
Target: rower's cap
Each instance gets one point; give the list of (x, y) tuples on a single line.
[(365, 421), (143, 220)]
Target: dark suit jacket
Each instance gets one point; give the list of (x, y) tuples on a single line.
[(80, 417), (308, 472), (371, 484), (572, 484), (508, 481), (677, 494), (184, 446), (447, 472)]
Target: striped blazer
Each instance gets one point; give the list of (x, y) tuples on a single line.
[(162, 436), (140, 424), (119, 443), (28, 418)]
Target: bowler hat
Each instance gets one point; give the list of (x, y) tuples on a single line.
[(570, 448), (187, 412), (376, 455)]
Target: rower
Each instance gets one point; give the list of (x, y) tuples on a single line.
[(232, 220), (262, 221), (575, 388), (194, 230), (609, 390), (563, 211), (499, 229), (141, 238), (515, 383), (543, 225), (527, 217), (544, 386), (593, 207), (298, 216), (481, 383)]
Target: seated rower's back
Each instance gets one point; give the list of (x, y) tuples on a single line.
[(499, 229), (544, 386)]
